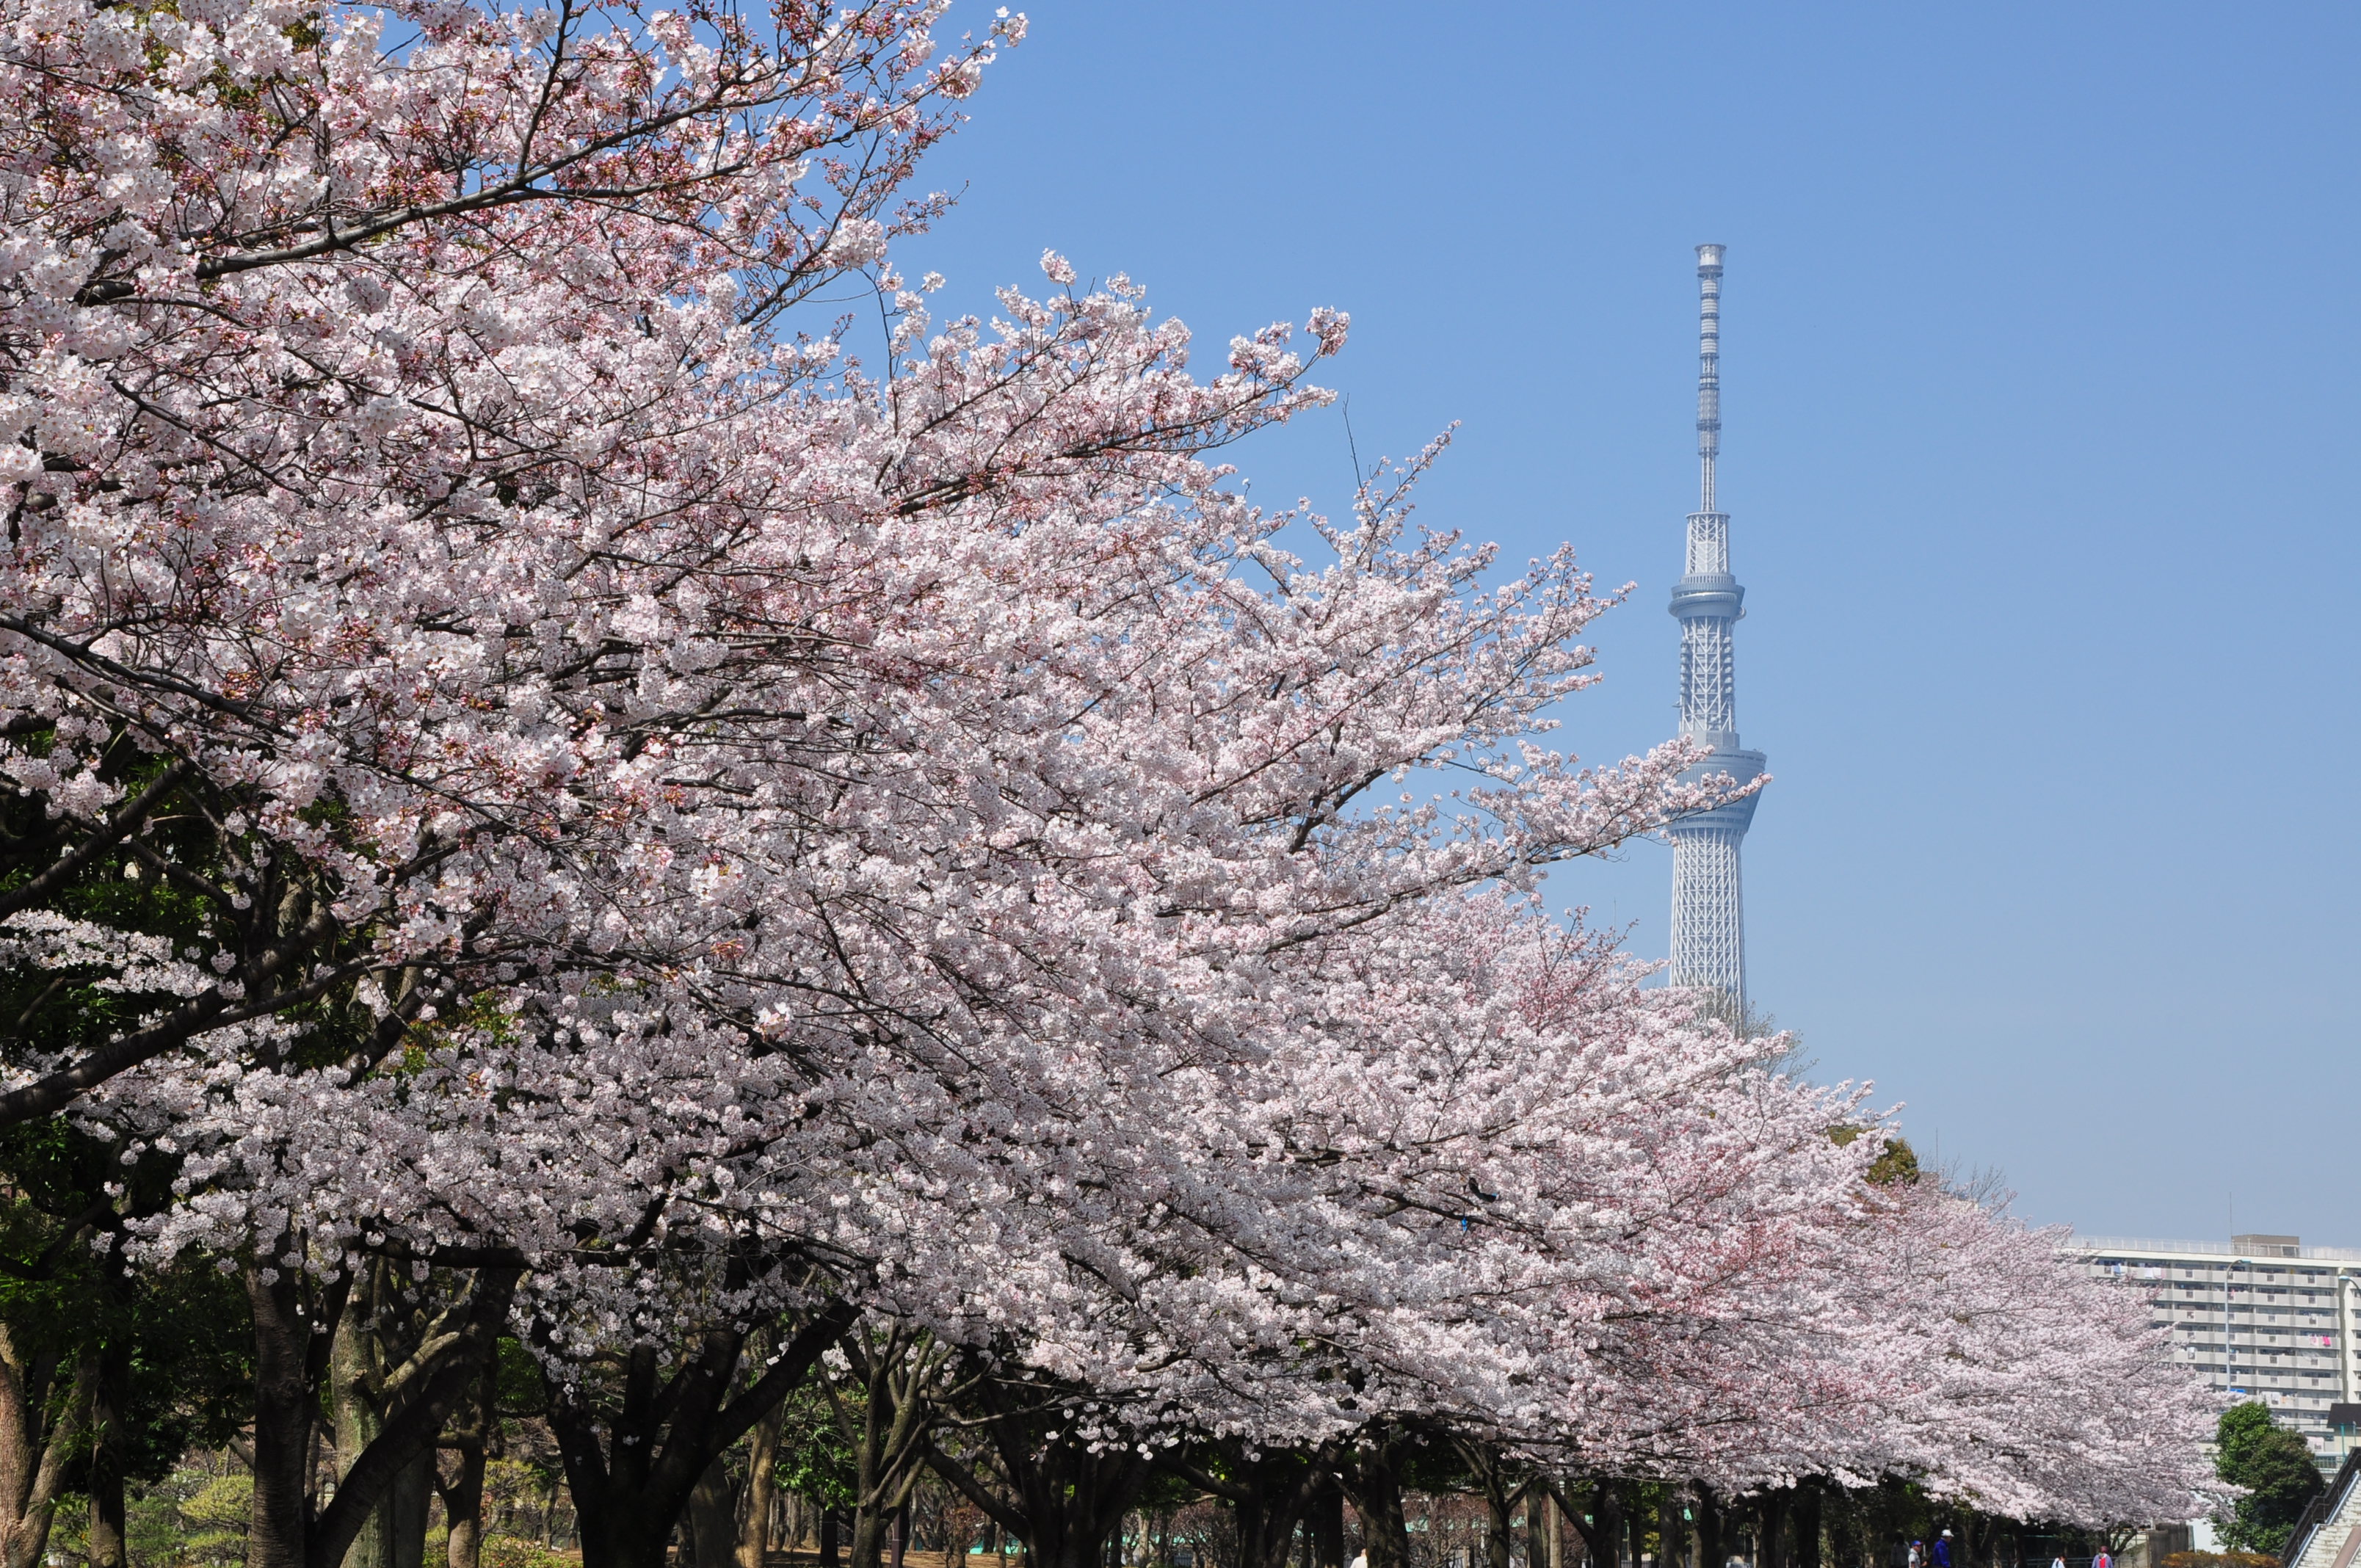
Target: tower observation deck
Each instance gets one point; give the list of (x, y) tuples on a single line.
[(1709, 908)]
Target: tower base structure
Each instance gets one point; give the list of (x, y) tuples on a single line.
[(1708, 927)]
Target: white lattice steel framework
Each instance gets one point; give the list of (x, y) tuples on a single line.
[(1708, 904)]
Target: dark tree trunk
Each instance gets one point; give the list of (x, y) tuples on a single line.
[(1672, 1532), (761, 1488), (1370, 1478), (868, 1549), (1804, 1527), (1499, 1527), (104, 1547), (462, 1499), (898, 1374), (1713, 1546), (392, 1476), (1270, 1497), (295, 1320), (1503, 1485), (713, 1517), (630, 1469), (1063, 1501), (385, 1340), (34, 1450), (1328, 1525), (105, 1544), (1844, 1533), (1595, 1511), (1773, 1512), (289, 1360)]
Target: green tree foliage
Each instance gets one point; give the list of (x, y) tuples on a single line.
[(814, 1457), (1897, 1163), (216, 1519), (172, 1342), (2275, 1468)]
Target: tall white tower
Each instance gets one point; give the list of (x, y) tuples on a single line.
[(1708, 910)]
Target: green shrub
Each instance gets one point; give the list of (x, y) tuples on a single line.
[(515, 1551)]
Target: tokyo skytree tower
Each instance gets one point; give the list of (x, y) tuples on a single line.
[(1709, 912)]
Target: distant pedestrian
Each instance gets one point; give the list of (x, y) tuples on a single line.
[(2058, 1562), (1918, 1557), (1943, 1550), (2103, 1560)]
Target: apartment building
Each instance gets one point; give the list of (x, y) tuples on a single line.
[(2260, 1318)]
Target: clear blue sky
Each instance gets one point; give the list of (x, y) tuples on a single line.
[(2038, 355)]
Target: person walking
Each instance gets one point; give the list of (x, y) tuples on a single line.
[(2102, 1560), (1943, 1550), (1918, 1557)]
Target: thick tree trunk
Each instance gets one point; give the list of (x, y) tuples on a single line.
[(377, 1335), (1271, 1496), (388, 1350), (1713, 1549), (463, 1500), (1499, 1521), (353, 1408), (104, 1547), (1063, 1501), (713, 1517), (1672, 1532), (106, 1543), (1328, 1525), (1596, 1512), (616, 1535), (389, 1472), (761, 1488), (284, 1373), (34, 1453), (1773, 1512), (409, 1504), (1804, 1520), (1844, 1536), (896, 1374), (630, 1469), (868, 1544), (1503, 1485), (1372, 1483)]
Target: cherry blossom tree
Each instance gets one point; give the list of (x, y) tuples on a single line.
[(694, 834), (2040, 1392), (823, 735)]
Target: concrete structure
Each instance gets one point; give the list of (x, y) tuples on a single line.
[(2329, 1532), (1708, 910), (2259, 1317)]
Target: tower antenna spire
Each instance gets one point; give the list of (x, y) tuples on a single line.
[(1709, 371), (1709, 909)]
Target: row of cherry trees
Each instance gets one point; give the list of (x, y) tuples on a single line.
[(552, 797)]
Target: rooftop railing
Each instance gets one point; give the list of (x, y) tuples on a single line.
[(2209, 1249)]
